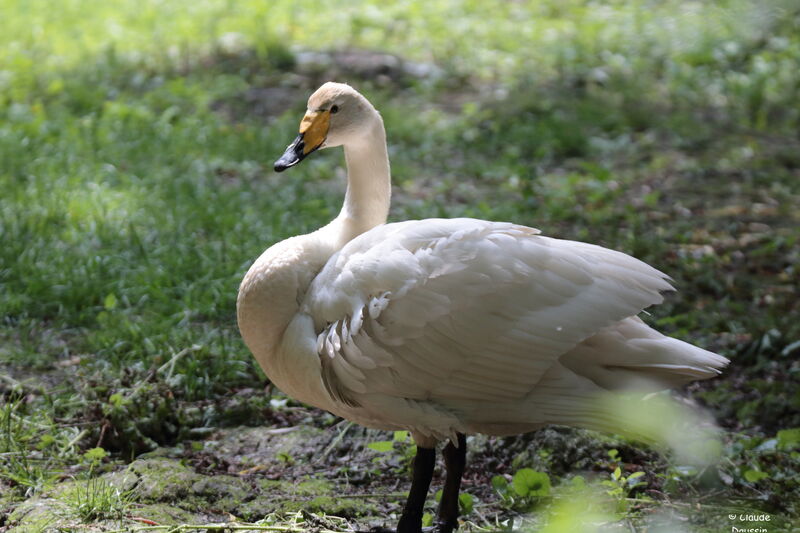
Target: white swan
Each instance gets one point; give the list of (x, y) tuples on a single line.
[(447, 327)]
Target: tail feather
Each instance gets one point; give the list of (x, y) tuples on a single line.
[(607, 383), (563, 397), (630, 355), (667, 423)]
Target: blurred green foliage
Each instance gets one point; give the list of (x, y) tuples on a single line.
[(136, 142)]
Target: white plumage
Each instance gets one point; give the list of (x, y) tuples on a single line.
[(448, 326)]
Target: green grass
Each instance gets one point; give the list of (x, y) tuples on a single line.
[(137, 188), (22, 448), (96, 499)]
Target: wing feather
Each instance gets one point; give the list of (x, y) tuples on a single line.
[(466, 309)]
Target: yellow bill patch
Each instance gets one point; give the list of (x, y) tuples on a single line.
[(314, 128)]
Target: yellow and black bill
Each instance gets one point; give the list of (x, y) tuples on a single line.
[(313, 132)]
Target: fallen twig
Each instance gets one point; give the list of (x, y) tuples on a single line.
[(299, 522), (336, 440)]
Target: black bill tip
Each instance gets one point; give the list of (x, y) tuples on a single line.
[(293, 155)]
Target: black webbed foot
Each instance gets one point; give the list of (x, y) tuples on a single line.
[(447, 517)]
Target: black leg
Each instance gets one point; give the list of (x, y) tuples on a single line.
[(411, 519), (455, 459)]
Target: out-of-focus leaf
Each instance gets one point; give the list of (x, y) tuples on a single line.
[(382, 446)]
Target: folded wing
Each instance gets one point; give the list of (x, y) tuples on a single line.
[(465, 309)]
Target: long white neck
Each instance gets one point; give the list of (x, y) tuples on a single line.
[(276, 283), (369, 188)]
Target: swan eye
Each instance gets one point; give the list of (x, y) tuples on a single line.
[(334, 109)]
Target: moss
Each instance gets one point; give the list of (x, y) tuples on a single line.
[(334, 505), (48, 514), (163, 479), (167, 515), (33, 515), (311, 495), (223, 493)]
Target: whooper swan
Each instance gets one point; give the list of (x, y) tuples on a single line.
[(447, 327)]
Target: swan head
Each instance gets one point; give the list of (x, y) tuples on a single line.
[(337, 115)]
